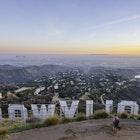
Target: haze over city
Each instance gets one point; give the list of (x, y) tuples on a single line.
[(69, 27), (70, 63)]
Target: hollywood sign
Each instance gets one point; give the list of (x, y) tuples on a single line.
[(42, 112)]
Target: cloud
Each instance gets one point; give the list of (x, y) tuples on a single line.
[(111, 23)]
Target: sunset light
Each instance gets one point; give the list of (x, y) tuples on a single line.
[(70, 27)]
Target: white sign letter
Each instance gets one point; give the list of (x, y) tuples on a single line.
[(69, 111), (15, 110), (109, 106), (42, 112), (89, 107), (0, 115)]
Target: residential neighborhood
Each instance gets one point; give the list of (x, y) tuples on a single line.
[(98, 84)]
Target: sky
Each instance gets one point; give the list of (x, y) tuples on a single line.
[(70, 26)]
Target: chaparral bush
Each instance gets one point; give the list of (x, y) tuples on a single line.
[(53, 120), (138, 117), (3, 133), (133, 116), (100, 114), (33, 120), (81, 117), (124, 115), (66, 120)]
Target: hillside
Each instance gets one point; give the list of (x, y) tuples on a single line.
[(13, 74), (85, 130), (94, 83)]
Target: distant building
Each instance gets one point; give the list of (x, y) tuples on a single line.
[(38, 90), (71, 82), (137, 76), (56, 86), (22, 89)]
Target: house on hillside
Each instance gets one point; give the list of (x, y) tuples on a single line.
[(22, 89), (39, 90)]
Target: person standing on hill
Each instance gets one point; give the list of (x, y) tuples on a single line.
[(116, 122)]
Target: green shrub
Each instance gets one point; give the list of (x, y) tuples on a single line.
[(33, 120), (26, 126), (3, 133), (81, 117), (90, 117), (133, 116), (66, 120), (124, 115), (100, 114), (119, 115), (17, 128), (52, 120), (36, 125), (138, 117)]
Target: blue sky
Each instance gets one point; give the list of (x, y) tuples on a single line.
[(70, 26)]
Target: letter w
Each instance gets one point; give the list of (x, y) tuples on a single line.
[(41, 111)]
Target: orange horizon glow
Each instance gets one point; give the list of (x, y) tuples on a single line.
[(128, 50), (69, 49), (102, 27)]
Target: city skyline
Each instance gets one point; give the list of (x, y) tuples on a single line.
[(70, 27)]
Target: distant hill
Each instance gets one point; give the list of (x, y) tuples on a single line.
[(95, 83), (14, 74)]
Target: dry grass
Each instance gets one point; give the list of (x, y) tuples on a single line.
[(3, 133), (100, 114), (53, 120)]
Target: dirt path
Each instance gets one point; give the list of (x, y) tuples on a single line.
[(85, 130)]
